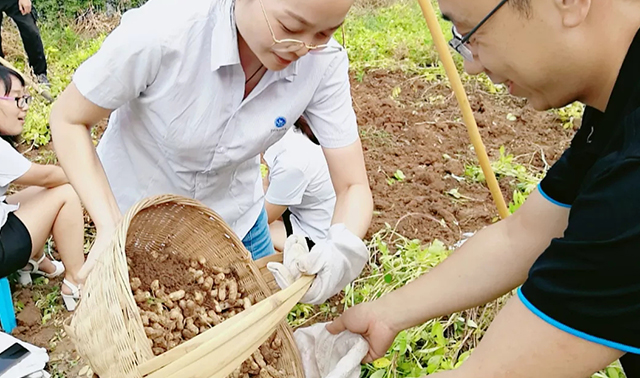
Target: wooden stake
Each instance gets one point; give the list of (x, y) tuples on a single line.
[(467, 114)]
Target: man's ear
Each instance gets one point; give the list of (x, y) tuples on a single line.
[(573, 12)]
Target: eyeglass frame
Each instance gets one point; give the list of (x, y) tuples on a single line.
[(26, 99), (459, 42), (310, 48)]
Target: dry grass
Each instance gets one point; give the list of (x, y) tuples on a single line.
[(11, 42), (93, 24)]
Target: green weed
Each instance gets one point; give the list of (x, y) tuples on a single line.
[(524, 181), (570, 114)]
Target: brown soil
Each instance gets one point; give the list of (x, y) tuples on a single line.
[(420, 133)]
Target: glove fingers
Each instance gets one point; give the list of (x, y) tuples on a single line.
[(283, 276), (296, 240)]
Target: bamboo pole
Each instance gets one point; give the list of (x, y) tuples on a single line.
[(467, 114)]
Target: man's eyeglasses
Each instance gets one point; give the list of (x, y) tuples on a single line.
[(293, 45), (460, 43), (21, 101)]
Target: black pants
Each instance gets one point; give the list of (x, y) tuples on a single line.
[(631, 365), (28, 32)]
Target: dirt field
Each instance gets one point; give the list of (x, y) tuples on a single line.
[(416, 130)]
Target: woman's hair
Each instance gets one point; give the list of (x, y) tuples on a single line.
[(5, 78), (303, 126)]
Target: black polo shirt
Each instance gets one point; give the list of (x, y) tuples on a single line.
[(588, 282)]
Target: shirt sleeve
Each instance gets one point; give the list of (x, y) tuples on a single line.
[(126, 64), (12, 164), (286, 186), (588, 279), (330, 112)]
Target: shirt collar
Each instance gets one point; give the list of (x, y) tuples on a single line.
[(224, 41), (621, 102), (624, 99)]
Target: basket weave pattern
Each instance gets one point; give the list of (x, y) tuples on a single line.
[(106, 328)]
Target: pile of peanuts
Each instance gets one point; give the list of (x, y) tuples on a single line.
[(170, 319)]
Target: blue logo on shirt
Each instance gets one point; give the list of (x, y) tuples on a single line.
[(280, 121)]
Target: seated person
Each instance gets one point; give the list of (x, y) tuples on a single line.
[(299, 195), (48, 205)]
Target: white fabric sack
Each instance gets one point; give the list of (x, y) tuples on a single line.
[(32, 365), (330, 356)]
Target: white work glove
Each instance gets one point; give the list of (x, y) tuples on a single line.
[(330, 356), (336, 261)]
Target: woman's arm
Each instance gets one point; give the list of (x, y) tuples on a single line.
[(72, 117), (354, 203), (46, 176)]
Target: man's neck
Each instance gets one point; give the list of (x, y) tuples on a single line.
[(612, 45)]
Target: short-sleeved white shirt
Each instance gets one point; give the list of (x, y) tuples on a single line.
[(172, 72), (12, 166), (299, 179)]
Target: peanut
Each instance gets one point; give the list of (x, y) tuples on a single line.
[(158, 351), (219, 278), (232, 286), (177, 295), (198, 297), (135, 283), (275, 373), (257, 356), (207, 284), (142, 296)]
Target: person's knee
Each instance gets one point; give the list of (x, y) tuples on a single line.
[(67, 194)]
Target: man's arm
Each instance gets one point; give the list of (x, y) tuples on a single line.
[(490, 264), (493, 262)]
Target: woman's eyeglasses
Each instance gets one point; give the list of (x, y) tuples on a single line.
[(22, 101), (293, 45)]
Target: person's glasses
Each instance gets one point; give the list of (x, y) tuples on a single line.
[(460, 43), (21, 101), (293, 45)]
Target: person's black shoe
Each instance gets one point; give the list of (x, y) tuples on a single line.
[(45, 87), (43, 80)]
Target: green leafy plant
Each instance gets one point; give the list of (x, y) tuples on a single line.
[(524, 180), (570, 114)]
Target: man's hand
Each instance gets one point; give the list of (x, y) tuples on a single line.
[(336, 261), (365, 319), (25, 6)]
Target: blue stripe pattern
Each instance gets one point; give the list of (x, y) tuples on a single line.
[(545, 195), (580, 334)]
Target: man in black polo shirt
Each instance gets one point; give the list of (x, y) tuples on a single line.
[(573, 249)]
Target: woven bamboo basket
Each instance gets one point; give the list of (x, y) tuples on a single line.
[(106, 327)]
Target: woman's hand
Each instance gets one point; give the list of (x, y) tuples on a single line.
[(100, 245)]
